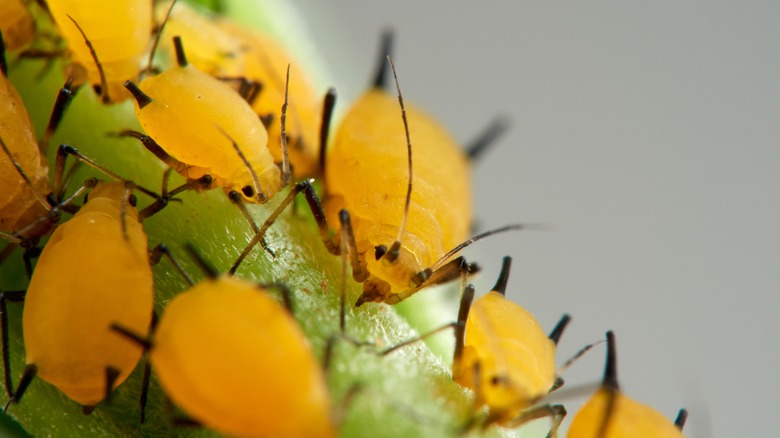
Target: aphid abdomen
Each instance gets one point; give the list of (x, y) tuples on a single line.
[(232, 357), (19, 205), (190, 115), (88, 277)]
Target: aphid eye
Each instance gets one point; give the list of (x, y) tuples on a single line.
[(380, 251), (132, 200), (495, 380), (248, 191), (98, 89)]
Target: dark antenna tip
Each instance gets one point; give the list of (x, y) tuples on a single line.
[(610, 370), (385, 50), (503, 276), (205, 266), (181, 59)]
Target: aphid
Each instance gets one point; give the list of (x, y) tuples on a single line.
[(93, 271), (16, 23), (502, 354), (611, 414), (107, 41), (225, 50), (236, 361), (29, 208), (204, 130), (398, 237)]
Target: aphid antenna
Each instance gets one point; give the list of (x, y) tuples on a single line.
[(261, 196), (395, 250), (156, 41), (576, 356), (103, 83), (286, 172), (475, 239), (208, 269)]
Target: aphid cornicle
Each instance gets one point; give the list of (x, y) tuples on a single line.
[(235, 360), (201, 127), (234, 54), (118, 31), (406, 218), (504, 356), (611, 414), (93, 271)]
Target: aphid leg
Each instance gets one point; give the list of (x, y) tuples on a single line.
[(555, 412), (460, 330), (14, 297), (62, 156), (147, 373), (202, 183), (260, 233), (30, 371), (156, 253), (487, 138), (177, 419), (151, 145), (328, 103), (64, 97), (156, 42), (236, 199), (208, 270), (286, 294), (682, 417), (103, 92), (451, 271), (112, 373)]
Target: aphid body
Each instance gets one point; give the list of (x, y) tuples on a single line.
[(235, 360), (611, 414), (205, 128), (118, 30), (224, 49), (90, 274), (19, 204), (367, 175), (505, 357)]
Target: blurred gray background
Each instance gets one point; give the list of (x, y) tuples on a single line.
[(648, 134)]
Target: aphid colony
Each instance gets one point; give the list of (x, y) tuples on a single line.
[(225, 107)]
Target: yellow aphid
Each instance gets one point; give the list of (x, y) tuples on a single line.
[(119, 31), (21, 204), (611, 414), (226, 50), (407, 209), (94, 271), (200, 126), (265, 62), (16, 24), (235, 360), (505, 357), (367, 175)]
